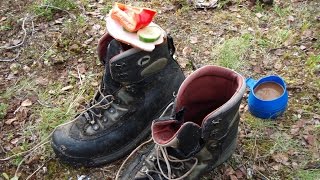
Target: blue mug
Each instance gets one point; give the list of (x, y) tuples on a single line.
[(270, 108)]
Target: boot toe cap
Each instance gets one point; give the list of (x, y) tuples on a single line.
[(70, 150)]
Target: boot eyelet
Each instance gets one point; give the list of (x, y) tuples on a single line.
[(120, 66), (105, 119), (144, 169), (111, 110), (95, 127)]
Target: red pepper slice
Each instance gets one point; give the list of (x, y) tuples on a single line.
[(132, 18)]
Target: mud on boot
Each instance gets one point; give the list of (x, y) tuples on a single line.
[(201, 132), (136, 87)]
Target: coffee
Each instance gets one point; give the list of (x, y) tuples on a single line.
[(268, 91)]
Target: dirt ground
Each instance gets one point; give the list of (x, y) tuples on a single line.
[(49, 69)]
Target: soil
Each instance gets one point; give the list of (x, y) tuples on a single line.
[(56, 70)]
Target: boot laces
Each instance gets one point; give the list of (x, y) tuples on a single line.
[(161, 155), (93, 113)]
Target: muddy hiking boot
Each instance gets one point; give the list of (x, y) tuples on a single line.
[(136, 87), (200, 133)]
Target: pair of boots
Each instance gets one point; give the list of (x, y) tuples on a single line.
[(197, 135)]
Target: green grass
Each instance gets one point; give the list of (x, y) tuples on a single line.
[(232, 52), (281, 11), (308, 174), (258, 124), (52, 117), (3, 110), (105, 10), (313, 63), (47, 8), (23, 85), (282, 144)]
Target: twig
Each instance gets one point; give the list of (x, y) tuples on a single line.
[(263, 175), (36, 170), (25, 157), (2, 149), (10, 60), (32, 27), (43, 104), (79, 75), (47, 50), (54, 7), (23, 39), (17, 110)]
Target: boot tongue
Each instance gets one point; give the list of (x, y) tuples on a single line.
[(182, 139), (114, 48)]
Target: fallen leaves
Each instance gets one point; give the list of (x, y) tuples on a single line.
[(310, 139), (193, 40), (281, 158), (66, 88), (10, 121), (26, 103)]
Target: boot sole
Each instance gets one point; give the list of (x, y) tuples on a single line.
[(96, 162)]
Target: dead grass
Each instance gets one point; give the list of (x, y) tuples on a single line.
[(254, 41)]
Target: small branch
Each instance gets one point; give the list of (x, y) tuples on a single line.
[(10, 60), (33, 30), (43, 104), (23, 39), (25, 157), (262, 175), (79, 75), (36, 170)]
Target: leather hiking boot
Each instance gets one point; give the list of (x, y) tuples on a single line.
[(200, 133), (136, 87)]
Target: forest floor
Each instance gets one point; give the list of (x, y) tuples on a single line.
[(49, 68)]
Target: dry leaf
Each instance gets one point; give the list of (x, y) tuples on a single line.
[(233, 177), (279, 52), (280, 157), (278, 65), (193, 40), (290, 18), (302, 47), (42, 81), (82, 68), (233, 9), (307, 34), (94, 83), (276, 167), (309, 139), (257, 69), (10, 121), (88, 41), (16, 41), (96, 27), (186, 51), (67, 88), (259, 15), (14, 141), (26, 103), (295, 131), (239, 174)]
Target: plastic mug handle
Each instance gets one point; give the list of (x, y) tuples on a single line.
[(250, 83)]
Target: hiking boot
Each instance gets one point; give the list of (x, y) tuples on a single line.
[(200, 133), (136, 87)]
